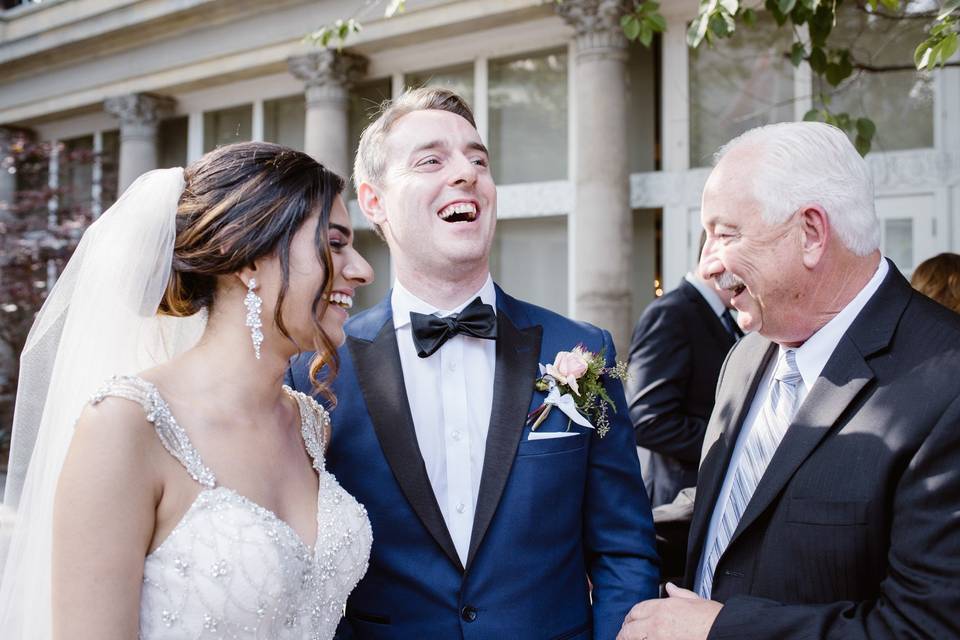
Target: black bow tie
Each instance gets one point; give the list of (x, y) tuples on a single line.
[(430, 332)]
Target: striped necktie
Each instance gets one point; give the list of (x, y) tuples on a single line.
[(762, 442)]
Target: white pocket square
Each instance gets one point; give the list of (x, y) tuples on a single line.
[(546, 435)]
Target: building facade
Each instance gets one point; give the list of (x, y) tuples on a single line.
[(599, 147)]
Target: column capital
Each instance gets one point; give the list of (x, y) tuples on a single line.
[(139, 109), (597, 23), (139, 114), (328, 74)]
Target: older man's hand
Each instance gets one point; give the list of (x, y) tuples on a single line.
[(682, 616)]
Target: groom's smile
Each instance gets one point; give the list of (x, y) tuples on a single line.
[(458, 212)]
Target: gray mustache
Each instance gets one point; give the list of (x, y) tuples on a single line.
[(727, 280)]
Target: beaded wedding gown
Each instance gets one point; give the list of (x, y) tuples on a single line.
[(233, 569)]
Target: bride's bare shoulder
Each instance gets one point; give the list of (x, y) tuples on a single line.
[(116, 423)]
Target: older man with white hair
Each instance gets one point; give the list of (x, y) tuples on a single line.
[(828, 501)]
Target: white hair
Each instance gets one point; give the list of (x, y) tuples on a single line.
[(802, 163)]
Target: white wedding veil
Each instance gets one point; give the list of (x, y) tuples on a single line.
[(99, 320)]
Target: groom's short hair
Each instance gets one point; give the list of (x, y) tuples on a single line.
[(371, 161)]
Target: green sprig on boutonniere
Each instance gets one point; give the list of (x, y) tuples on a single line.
[(574, 384)]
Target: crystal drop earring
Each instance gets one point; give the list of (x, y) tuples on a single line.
[(253, 303)]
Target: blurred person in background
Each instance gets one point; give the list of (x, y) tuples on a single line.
[(939, 278)]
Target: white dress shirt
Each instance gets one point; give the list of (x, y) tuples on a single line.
[(812, 357), (450, 395)]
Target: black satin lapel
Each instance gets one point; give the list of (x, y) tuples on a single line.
[(845, 375), (728, 416), (381, 380), (516, 369)]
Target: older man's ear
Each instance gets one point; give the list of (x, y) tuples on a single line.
[(815, 227)]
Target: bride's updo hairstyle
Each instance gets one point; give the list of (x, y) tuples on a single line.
[(243, 202)]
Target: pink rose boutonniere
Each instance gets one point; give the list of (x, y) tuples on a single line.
[(574, 384)]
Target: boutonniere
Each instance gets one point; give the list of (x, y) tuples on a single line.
[(574, 384)]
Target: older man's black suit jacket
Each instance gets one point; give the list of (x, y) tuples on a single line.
[(854, 529)]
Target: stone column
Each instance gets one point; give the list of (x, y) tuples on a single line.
[(601, 222), (328, 76), (139, 114), (8, 178)]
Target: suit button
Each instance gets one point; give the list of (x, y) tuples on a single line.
[(468, 613)]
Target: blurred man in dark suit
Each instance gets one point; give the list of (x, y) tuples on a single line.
[(676, 352)]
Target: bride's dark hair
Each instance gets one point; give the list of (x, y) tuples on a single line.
[(242, 202)]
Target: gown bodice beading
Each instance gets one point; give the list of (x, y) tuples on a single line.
[(232, 568)]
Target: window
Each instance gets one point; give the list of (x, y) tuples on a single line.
[(75, 175), (741, 83), (643, 108), (529, 259), (227, 126), (172, 141), (899, 102), (110, 169), (365, 101), (458, 79), (528, 117), (898, 241), (284, 121)]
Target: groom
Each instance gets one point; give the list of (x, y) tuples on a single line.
[(482, 528)]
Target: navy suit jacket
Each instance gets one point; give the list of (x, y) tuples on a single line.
[(549, 514)]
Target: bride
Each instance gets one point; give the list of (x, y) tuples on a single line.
[(189, 500)]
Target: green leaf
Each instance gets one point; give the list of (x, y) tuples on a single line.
[(719, 26), (820, 25), (934, 55), (697, 31), (862, 145), (631, 26), (890, 5), (646, 35), (948, 47), (818, 60), (866, 128), (773, 6), (922, 54), (812, 116), (840, 70), (786, 6), (942, 28), (657, 22), (797, 53), (750, 17)]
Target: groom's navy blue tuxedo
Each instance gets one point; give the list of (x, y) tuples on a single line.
[(550, 512)]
